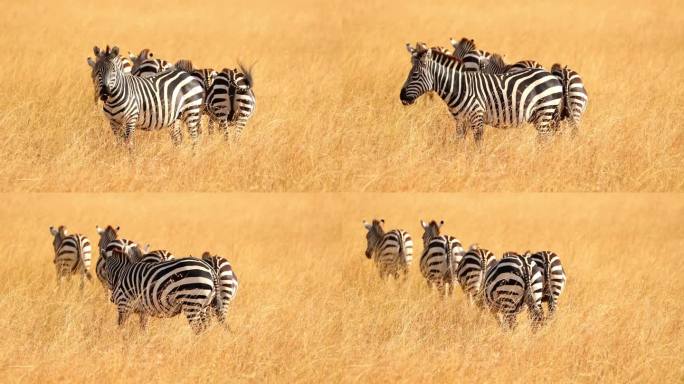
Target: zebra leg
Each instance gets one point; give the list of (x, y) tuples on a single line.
[(123, 316), (461, 128), (130, 130), (117, 130), (511, 321), (192, 129), (176, 134), (142, 316), (241, 124), (210, 125), (223, 126), (477, 125)]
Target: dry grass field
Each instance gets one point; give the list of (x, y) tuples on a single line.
[(310, 306), (327, 78)]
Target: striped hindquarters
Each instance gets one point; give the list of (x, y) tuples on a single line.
[(553, 276), (440, 259), (227, 282), (394, 252), (471, 271), (513, 282), (73, 255), (124, 247), (575, 97)]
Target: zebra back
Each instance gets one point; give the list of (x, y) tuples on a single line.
[(575, 97), (157, 256), (472, 269), (552, 273), (72, 252)]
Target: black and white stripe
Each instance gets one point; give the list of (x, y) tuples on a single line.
[(131, 102), (471, 272), (496, 65), (472, 58), (511, 284), (553, 276), (72, 254), (227, 284), (146, 65), (163, 289), (440, 258), (110, 244), (391, 251), (157, 256), (231, 100), (511, 99), (575, 97)]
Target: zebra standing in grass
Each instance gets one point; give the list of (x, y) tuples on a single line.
[(472, 58), (146, 65), (163, 289), (109, 244), (72, 254), (496, 65), (231, 100), (553, 276), (575, 97), (227, 284), (512, 283), (471, 272), (160, 101), (392, 251), (511, 99), (440, 258), (206, 76)]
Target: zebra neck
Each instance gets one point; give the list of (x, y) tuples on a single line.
[(448, 82), (118, 92)]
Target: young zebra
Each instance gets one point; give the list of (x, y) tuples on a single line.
[(512, 283), (146, 65), (231, 100), (163, 289), (441, 256), (72, 254), (496, 65), (472, 58), (391, 251), (575, 97), (109, 244), (553, 276), (471, 272), (131, 102), (526, 96), (227, 283)]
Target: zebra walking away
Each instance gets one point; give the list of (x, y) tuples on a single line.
[(471, 272), (391, 251), (512, 283), (575, 97), (131, 102), (231, 100), (511, 99), (163, 289), (553, 276), (440, 258), (227, 284), (72, 254)]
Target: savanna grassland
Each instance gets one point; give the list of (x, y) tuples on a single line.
[(327, 79), (310, 307)]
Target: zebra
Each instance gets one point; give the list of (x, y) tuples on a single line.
[(575, 97), (231, 100), (391, 251), (109, 244), (471, 271), (148, 103), (163, 289), (553, 276), (156, 256), (472, 58), (126, 64), (440, 258), (496, 65), (146, 65), (511, 99), (205, 75), (72, 254), (227, 285), (509, 285)]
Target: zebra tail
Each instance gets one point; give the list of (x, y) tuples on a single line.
[(248, 73), (218, 303)]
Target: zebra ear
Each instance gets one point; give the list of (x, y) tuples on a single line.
[(382, 221), (96, 50), (423, 224), (99, 230), (410, 49), (441, 222), (132, 56), (115, 51), (117, 228), (453, 42), (367, 225), (147, 248), (91, 63), (53, 231), (63, 230)]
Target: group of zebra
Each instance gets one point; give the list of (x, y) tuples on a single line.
[(504, 286), (149, 283), (480, 88), (142, 91)]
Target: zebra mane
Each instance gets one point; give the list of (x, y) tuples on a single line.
[(462, 47), (556, 68), (185, 65), (495, 64)]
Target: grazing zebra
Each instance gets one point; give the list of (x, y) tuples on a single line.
[(163, 289), (109, 244), (472, 58), (441, 256), (471, 272), (553, 276), (231, 100), (148, 103), (146, 65), (72, 254), (392, 251), (227, 283), (511, 99), (512, 283), (575, 97), (156, 256), (496, 65)]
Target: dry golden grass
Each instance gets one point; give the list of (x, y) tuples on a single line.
[(327, 81), (310, 306)]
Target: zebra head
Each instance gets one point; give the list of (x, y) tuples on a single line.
[(105, 71), (106, 236), (59, 235), (374, 235), (430, 230), (420, 79), (462, 47)]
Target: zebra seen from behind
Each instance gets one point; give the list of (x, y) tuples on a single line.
[(162, 289), (131, 102), (440, 258), (575, 97), (471, 272), (511, 284), (392, 251), (231, 100), (72, 254), (553, 277), (227, 284), (511, 99), (146, 65)]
